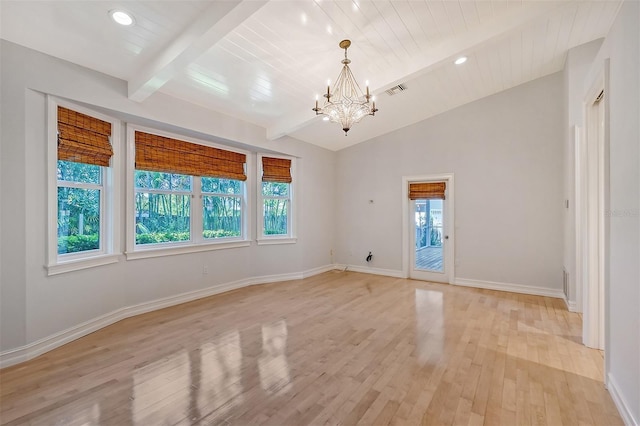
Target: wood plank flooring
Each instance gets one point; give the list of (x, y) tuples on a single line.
[(429, 258), (338, 348)]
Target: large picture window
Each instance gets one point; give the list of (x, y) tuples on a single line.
[(276, 199), (187, 195), (81, 189)]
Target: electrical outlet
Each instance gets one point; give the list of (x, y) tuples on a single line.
[(205, 269)]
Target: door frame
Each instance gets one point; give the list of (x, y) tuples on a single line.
[(449, 222), (592, 203)]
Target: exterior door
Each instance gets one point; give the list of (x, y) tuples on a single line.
[(430, 257)]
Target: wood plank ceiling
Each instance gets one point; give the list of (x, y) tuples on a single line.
[(264, 61)]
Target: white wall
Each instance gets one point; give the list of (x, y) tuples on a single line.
[(13, 245), (622, 47), (35, 306), (577, 66), (506, 153)]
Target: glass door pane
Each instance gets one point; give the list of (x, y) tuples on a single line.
[(429, 253)]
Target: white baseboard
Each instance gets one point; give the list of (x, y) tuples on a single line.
[(513, 288), (369, 270), (621, 403), (34, 349), (571, 305), (320, 270)]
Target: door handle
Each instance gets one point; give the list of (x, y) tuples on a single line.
[(446, 237)]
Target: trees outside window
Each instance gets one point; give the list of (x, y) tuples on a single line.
[(163, 207), (221, 207), (79, 201), (164, 210), (276, 203)]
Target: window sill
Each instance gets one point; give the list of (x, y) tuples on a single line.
[(77, 264), (283, 240), (146, 253)]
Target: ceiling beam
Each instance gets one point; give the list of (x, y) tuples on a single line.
[(210, 27), (443, 53)]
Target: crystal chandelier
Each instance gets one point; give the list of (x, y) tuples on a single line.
[(347, 104)]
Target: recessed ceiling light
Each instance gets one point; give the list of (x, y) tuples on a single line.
[(325, 118), (122, 18), (461, 60)]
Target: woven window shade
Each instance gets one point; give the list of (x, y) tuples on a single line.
[(276, 170), (83, 139), (427, 190), (160, 154)]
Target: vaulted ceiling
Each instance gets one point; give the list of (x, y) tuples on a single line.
[(265, 61)]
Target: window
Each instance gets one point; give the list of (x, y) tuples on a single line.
[(221, 207), (80, 198), (163, 207), (187, 196), (81, 188), (276, 221)]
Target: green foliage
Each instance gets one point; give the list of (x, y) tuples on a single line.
[(275, 189), (79, 172), (163, 181), (221, 233), (76, 243), (161, 237), (165, 237), (78, 208), (275, 216), (221, 186)]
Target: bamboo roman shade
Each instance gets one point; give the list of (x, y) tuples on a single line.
[(427, 190), (276, 170), (83, 139), (161, 154)]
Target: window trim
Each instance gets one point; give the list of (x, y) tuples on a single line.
[(291, 236), (197, 243), (110, 196)]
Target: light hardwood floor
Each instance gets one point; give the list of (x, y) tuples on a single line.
[(337, 348)]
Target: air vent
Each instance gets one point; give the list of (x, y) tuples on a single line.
[(396, 89)]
